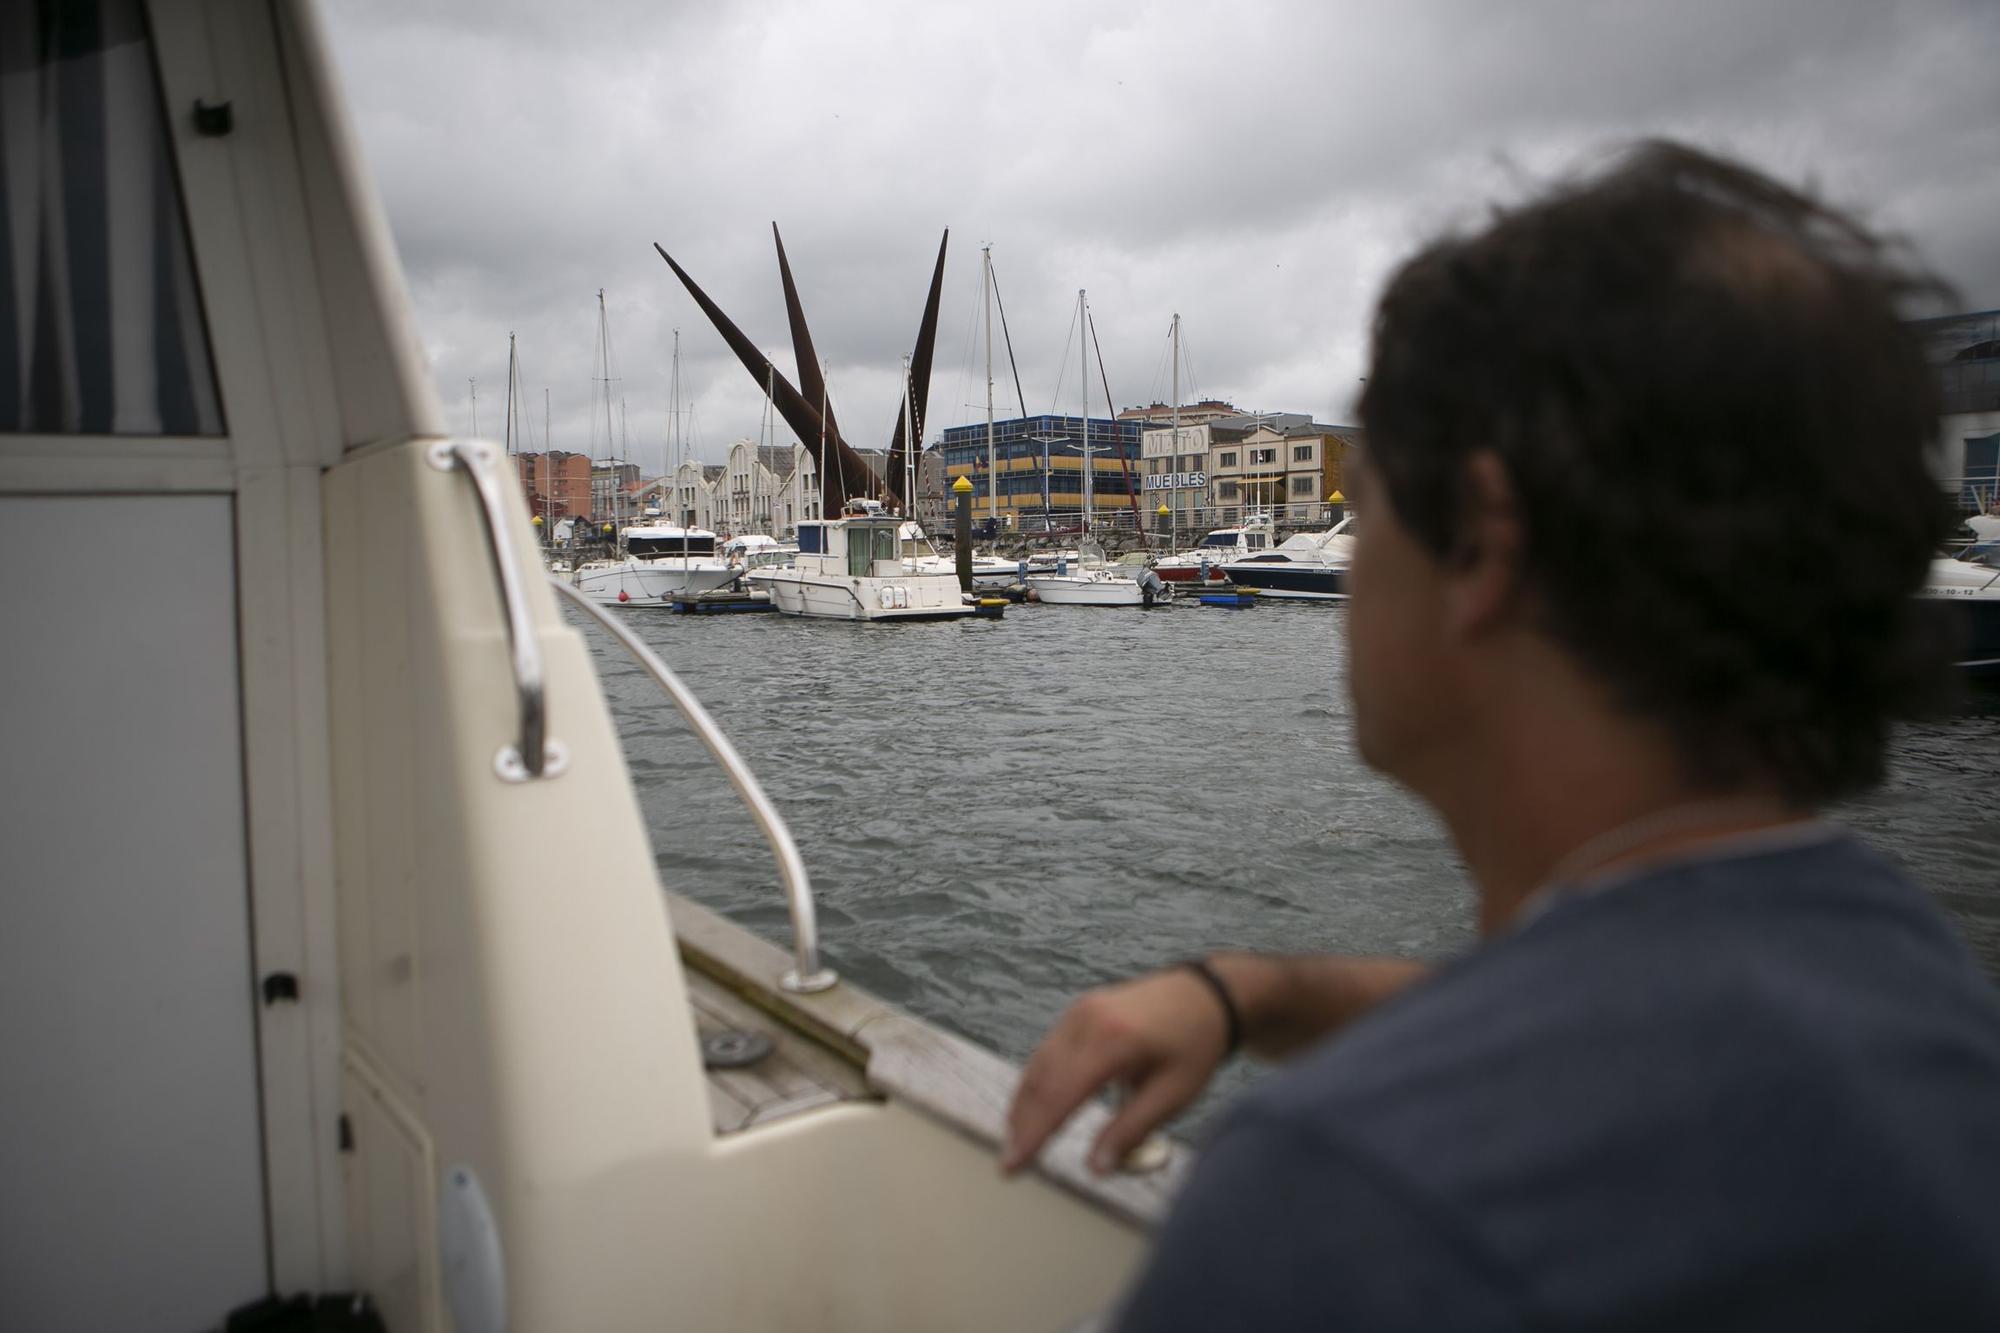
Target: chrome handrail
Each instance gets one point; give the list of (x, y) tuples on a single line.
[(807, 976), (533, 755)]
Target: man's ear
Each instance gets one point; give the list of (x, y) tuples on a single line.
[(1486, 560)]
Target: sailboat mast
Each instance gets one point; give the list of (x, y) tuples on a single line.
[(549, 464), (992, 472), (610, 438), (1083, 365), (909, 444), (770, 440), (1175, 461), (674, 441), (507, 434), (472, 385)]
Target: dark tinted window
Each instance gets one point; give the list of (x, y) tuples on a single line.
[(101, 329)]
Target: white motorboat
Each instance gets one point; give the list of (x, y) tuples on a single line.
[(989, 573), (853, 568), (663, 563), (1203, 562), (357, 976), (1970, 582), (1095, 583), (1308, 566), (756, 550)]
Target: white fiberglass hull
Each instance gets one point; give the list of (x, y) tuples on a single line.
[(833, 597), (1086, 590), (651, 582)]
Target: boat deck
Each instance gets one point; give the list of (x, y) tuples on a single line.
[(798, 1075)]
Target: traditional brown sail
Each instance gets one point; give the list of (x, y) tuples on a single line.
[(843, 472)]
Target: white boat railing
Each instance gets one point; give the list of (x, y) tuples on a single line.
[(806, 976), (533, 755)]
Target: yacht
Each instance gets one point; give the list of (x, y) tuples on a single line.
[(359, 979), (853, 568), (1203, 562), (662, 563), (1309, 566), (1970, 582)]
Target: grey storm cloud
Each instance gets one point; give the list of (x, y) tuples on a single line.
[(1257, 167)]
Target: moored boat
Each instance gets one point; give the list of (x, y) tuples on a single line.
[(662, 562), (853, 568), (1310, 566), (1203, 562), (1969, 582)]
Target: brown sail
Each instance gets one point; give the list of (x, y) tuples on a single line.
[(843, 472)]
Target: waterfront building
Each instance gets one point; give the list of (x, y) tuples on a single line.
[(753, 476), (1039, 467), (1191, 414), (1964, 352), (933, 510), (611, 486), (799, 493), (1280, 463), (1288, 468), (1174, 468), (694, 488), (556, 484)]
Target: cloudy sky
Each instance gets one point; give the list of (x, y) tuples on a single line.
[(1256, 165)]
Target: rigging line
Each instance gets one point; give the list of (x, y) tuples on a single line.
[(1124, 459), (1187, 359), (1069, 341), (1001, 306), (965, 366), (1161, 371)]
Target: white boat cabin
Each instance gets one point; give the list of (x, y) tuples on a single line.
[(303, 989)]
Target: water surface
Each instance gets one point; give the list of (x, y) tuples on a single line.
[(999, 815)]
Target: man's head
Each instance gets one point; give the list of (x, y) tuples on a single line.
[(1673, 421)]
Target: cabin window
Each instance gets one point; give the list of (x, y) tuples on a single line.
[(102, 331), (811, 539)]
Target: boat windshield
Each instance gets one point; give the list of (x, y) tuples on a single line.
[(1227, 539), (674, 544)]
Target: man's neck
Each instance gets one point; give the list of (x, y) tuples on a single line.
[(1574, 793)]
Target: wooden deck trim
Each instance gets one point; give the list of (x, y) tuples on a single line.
[(953, 1081)]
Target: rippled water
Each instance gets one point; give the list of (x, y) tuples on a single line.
[(998, 815)]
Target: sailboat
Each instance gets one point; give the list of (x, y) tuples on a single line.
[(660, 563), (1094, 581), (360, 975)]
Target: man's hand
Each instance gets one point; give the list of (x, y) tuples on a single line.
[(1161, 1036)]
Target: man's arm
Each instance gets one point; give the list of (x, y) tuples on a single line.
[(1163, 1035)]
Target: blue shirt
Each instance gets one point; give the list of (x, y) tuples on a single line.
[(1756, 1092)]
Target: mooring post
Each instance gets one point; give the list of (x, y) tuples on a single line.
[(961, 532)]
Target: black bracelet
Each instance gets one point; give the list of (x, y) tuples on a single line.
[(1231, 1018)]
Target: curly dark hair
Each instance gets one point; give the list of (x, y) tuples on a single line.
[(1714, 417)]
